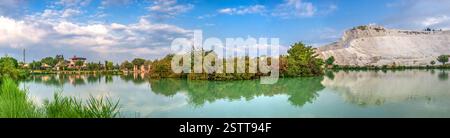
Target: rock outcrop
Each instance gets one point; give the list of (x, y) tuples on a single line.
[(376, 45)]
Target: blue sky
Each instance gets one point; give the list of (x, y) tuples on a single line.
[(124, 29)]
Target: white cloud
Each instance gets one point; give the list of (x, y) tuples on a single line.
[(115, 2), (70, 12), (143, 39), (430, 21), (254, 9), (286, 9), (73, 3), (295, 8), (168, 8), (419, 14), (18, 33)]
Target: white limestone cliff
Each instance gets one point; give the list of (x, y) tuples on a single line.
[(375, 45)]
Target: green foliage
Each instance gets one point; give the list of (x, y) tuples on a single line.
[(49, 61), (443, 59), (138, 61), (300, 90), (79, 63), (363, 27), (14, 103), (93, 66), (11, 60), (109, 65), (35, 65), (126, 65), (161, 68), (69, 107), (302, 61), (8, 67), (330, 60), (433, 62)]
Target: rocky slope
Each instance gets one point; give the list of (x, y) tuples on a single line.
[(375, 45)]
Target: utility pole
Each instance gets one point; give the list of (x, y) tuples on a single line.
[(23, 56)]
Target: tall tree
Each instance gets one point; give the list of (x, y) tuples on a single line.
[(109, 65), (303, 61), (8, 67), (443, 59), (138, 62), (126, 65), (79, 64), (49, 61)]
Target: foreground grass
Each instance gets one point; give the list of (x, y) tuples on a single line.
[(14, 103)]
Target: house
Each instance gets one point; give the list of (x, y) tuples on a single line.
[(45, 66), (61, 65), (72, 62)]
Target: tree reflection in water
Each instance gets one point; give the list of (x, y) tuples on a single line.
[(299, 90)]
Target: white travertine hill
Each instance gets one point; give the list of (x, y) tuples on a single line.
[(375, 45)]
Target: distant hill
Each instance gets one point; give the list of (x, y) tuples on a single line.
[(376, 45)]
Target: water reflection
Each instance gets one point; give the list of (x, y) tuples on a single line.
[(366, 88), (410, 93), (299, 90)]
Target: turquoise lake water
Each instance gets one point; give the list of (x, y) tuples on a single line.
[(409, 93)]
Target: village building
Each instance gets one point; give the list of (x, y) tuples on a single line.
[(72, 62)]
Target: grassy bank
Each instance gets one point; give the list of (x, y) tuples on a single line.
[(15, 103)]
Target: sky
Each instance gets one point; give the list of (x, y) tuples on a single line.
[(120, 30)]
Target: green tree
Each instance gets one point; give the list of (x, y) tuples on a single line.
[(138, 62), (303, 61), (109, 65), (433, 62), (13, 60), (443, 59), (116, 67), (93, 66), (8, 67), (79, 64), (330, 60), (49, 61), (35, 65), (126, 65)]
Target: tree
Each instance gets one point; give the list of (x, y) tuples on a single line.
[(443, 59), (11, 59), (49, 61), (116, 67), (93, 66), (109, 65), (35, 65), (330, 60), (303, 61), (79, 64), (126, 65), (138, 62), (433, 62), (8, 67)]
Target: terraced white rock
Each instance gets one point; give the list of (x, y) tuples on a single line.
[(375, 45)]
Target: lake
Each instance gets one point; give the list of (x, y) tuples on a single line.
[(409, 93)]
